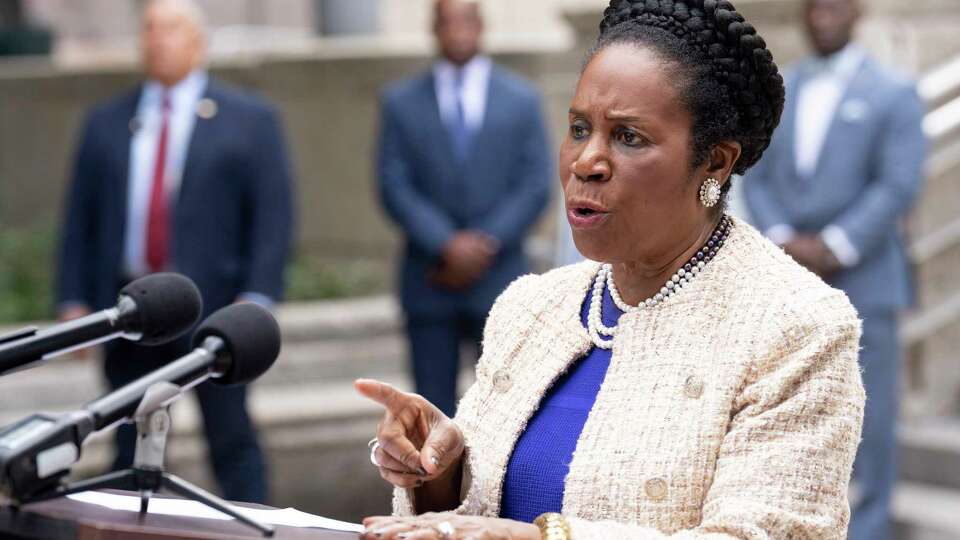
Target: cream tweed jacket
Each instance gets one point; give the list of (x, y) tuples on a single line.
[(732, 410)]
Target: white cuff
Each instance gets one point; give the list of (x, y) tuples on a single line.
[(840, 245), (256, 298), (780, 233)]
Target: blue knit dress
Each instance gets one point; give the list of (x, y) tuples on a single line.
[(541, 458)]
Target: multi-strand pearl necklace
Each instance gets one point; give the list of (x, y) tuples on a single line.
[(598, 331)]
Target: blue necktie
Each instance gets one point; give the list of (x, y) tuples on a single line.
[(459, 131)]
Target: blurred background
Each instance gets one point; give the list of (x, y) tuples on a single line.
[(324, 62)]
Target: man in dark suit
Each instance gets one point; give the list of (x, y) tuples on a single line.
[(464, 169), (842, 171), (184, 174)]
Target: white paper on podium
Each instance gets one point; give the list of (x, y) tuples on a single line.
[(289, 517)]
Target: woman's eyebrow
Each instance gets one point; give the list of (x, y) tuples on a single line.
[(622, 116), (611, 115)]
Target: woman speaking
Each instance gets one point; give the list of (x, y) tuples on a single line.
[(697, 383)]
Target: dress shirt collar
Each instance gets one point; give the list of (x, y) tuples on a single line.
[(473, 72), (843, 63), (183, 94), (471, 94)]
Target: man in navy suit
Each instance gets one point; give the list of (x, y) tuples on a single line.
[(841, 172), (188, 175), (464, 170)]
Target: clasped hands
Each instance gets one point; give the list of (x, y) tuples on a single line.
[(811, 252), (420, 448), (465, 258)]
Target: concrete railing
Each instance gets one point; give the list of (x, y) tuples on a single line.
[(941, 90), (931, 335), (941, 84)]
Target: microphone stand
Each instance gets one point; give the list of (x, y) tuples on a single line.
[(147, 475)]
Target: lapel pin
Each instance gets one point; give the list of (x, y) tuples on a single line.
[(207, 108), (854, 110), (134, 124)]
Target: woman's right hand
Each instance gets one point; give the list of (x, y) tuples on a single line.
[(418, 443)]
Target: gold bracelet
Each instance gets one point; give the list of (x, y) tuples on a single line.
[(552, 526)]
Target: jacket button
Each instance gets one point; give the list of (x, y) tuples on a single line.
[(656, 488), (501, 380), (693, 387)]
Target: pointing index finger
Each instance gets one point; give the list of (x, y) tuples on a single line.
[(381, 392)]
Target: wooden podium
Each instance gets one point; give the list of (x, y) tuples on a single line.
[(66, 519)]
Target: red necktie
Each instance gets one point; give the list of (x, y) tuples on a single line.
[(158, 243)]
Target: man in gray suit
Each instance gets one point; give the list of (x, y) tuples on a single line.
[(842, 170), (464, 170)]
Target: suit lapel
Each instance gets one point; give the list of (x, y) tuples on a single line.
[(430, 107), (121, 137), (856, 90), (482, 138), (206, 115), (124, 135), (789, 122)]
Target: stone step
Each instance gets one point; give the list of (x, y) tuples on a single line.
[(942, 85), (358, 318), (72, 383), (924, 512), (317, 346), (931, 374), (936, 204), (937, 277), (336, 359), (930, 453)]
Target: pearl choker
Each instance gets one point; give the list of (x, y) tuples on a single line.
[(598, 331)]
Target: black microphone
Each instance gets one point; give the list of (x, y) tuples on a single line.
[(152, 310), (235, 345)]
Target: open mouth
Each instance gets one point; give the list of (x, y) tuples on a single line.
[(584, 214)]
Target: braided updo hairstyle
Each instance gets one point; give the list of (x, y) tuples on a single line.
[(727, 77)]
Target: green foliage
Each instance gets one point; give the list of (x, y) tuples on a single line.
[(311, 278), (26, 273), (27, 267)]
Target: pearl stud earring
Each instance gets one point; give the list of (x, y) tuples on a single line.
[(710, 192)]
